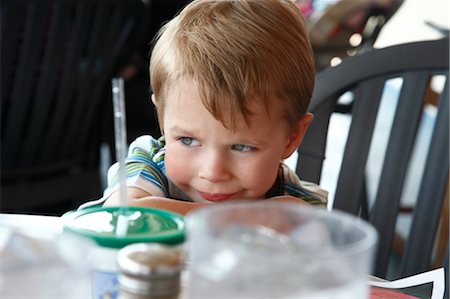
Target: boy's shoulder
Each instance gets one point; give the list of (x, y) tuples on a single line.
[(154, 148), (148, 142), (310, 192)]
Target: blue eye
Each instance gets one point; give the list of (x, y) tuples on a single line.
[(188, 141), (243, 148)]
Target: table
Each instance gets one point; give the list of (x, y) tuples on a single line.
[(45, 227), (48, 224), (34, 264)]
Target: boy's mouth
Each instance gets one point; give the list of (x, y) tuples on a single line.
[(216, 197)]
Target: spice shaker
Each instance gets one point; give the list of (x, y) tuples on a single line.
[(149, 271)]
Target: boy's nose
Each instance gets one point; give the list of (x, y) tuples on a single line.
[(215, 168)]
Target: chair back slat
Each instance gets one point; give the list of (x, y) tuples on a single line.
[(24, 83), (87, 78), (312, 153), (351, 176), (432, 192), (119, 29), (45, 91), (76, 43), (383, 214), (10, 28)]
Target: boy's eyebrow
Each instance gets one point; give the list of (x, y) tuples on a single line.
[(181, 131)]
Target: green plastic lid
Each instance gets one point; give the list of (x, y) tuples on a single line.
[(142, 225)]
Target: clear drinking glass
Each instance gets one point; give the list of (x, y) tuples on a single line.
[(277, 250)]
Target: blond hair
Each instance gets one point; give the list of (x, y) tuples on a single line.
[(237, 51)]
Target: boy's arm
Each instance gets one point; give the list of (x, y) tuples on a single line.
[(289, 199), (138, 197)]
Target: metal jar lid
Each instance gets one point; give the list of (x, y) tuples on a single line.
[(150, 268)]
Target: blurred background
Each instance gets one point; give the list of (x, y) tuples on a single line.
[(57, 59)]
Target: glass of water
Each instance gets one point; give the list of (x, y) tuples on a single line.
[(277, 250)]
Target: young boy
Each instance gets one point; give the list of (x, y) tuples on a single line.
[(231, 82)]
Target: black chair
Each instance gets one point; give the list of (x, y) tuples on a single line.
[(58, 58), (365, 76)]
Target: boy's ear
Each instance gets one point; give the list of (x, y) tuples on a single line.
[(297, 135), (154, 100)]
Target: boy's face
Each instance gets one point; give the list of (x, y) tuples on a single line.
[(211, 163)]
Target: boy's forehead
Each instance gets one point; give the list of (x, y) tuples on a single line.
[(189, 113), (185, 91)]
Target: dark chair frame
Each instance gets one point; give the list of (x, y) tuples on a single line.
[(366, 75)]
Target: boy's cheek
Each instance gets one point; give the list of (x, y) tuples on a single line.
[(178, 167)]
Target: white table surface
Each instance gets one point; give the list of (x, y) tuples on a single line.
[(51, 224), (31, 260)]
